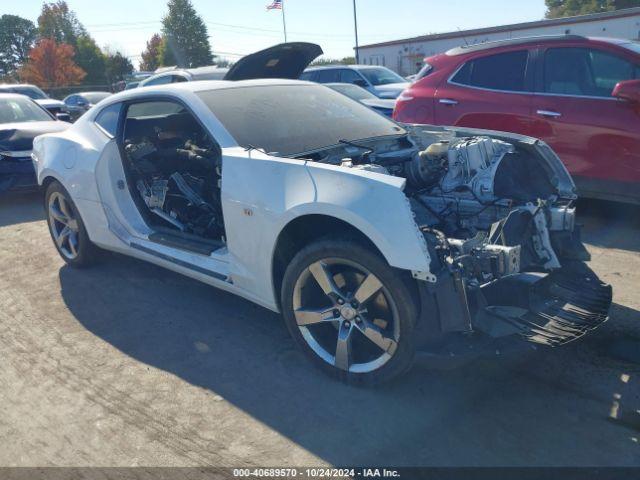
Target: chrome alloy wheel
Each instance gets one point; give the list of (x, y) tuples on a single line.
[(346, 315), (64, 225)]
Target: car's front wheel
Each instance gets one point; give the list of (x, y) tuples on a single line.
[(350, 311), (67, 229)]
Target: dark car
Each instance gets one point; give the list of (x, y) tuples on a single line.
[(359, 94), (78, 103), (580, 95), (21, 120)]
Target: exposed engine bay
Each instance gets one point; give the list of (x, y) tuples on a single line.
[(497, 215), (177, 173)]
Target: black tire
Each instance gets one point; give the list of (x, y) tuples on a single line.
[(396, 285), (86, 251)]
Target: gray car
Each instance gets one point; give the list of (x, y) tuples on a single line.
[(380, 81)]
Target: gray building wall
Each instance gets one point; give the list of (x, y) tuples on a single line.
[(406, 56)]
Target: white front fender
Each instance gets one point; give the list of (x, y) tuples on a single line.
[(261, 195)]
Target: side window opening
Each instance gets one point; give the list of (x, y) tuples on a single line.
[(330, 75), (174, 168), (107, 119), (585, 72), (503, 71), (424, 71), (308, 76)]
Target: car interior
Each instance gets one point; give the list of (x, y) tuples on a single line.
[(173, 169)]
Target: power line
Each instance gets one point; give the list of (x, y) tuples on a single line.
[(149, 25)]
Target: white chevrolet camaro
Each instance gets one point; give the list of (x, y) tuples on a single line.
[(374, 240)]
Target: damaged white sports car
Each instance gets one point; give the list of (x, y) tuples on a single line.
[(374, 239)]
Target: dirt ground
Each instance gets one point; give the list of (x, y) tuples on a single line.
[(127, 364)]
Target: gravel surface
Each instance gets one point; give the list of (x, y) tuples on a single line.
[(126, 364)]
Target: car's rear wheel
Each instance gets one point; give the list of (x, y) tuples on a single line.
[(350, 311), (67, 229)]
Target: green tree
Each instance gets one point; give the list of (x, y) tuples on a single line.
[(186, 36), (151, 56), (166, 58), (90, 58), (567, 8), (117, 67), (59, 22), (17, 37)]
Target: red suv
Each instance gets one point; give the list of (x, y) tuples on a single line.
[(580, 95)]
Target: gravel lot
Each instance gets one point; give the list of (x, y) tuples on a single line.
[(127, 364)]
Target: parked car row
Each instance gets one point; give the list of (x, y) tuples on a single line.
[(21, 120), (69, 109), (55, 107)]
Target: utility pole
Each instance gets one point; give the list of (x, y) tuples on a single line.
[(355, 23)]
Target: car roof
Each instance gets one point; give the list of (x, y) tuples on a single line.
[(199, 86), (478, 47), (10, 95), (353, 67)]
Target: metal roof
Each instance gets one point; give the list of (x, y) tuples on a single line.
[(593, 17)]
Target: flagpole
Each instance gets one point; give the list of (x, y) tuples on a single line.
[(355, 24), (284, 23)]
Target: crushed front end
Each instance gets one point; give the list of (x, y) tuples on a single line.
[(498, 216)]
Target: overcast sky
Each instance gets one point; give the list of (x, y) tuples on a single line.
[(238, 27)]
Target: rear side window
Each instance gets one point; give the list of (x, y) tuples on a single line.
[(424, 71), (504, 71), (160, 81), (308, 76), (108, 119), (328, 76), (585, 72), (349, 76)]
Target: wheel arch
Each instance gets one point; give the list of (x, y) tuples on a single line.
[(303, 230), (47, 180)]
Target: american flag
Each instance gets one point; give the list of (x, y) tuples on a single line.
[(277, 5)]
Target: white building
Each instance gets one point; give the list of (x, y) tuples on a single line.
[(406, 56)]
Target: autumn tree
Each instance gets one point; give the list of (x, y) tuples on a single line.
[(59, 22), (51, 65), (17, 37), (186, 35), (151, 55), (567, 8)]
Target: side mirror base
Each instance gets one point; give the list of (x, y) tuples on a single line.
[(628, 90)]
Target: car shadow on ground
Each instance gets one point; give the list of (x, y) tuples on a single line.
[(20, 208), (505, 411), (610, 224)]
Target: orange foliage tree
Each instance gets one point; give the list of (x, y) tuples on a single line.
[(51, 65)]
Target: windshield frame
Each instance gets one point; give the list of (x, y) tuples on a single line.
[(32, 107), (342, 118)]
